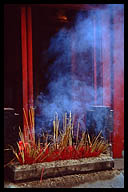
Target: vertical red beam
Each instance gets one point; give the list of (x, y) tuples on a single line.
[(24, 67), (27, 66), (29, 51), (118, 64), (105, 19), (30, 65)]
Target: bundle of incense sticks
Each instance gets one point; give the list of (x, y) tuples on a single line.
[(30, 125), (62, 146)]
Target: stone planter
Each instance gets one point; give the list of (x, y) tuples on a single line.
[(18, 172)]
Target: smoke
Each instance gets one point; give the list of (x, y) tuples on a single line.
[(71, 84)]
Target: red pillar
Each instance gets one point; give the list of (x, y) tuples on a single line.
[(24, 67), (29, 51), (118, 64), (27, 65), (30, 65)]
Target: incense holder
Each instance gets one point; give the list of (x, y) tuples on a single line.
[(17, 172)]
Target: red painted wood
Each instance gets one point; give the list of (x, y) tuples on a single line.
[(27, 66), (24, 67), (72, 6), (67, 6), (118, 105), (105, 19), (30, 64), (29, 58)]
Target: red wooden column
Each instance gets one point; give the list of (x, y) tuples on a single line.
[(30, 64), (27, 65), (118, 64), (24, 68), (29, 52)]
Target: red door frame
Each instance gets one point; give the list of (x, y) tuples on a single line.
[(118, 97)]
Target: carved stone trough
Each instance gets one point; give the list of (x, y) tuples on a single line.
[(17, 172)]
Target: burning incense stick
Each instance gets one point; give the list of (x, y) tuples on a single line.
[(70, 140), (26, 134), (33, 123), (72, 129), (65, 120), (97, 137), (70, 119), (73, 124), (29, 153), (77, 133), (82, 140), (30, 124), (63, 123), (30, 118), (89, 140), (10, 162), (57, 127), (54, 129), (25, 116)]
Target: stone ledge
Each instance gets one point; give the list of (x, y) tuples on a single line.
[(18, 172)]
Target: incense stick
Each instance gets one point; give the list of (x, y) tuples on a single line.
[(25, 117), (26, 123), (77, 134), (54, 129), (33, 123)]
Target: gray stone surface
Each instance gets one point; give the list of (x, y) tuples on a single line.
[(116, 182), (103, 179), (119, 163)]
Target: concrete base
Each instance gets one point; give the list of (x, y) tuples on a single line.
[(18, 172)]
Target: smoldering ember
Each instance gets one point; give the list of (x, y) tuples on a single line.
[(64, 104)]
